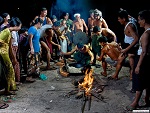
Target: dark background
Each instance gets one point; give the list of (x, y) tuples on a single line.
[(26, 10)]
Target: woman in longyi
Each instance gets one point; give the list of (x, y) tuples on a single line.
[(5, 50)]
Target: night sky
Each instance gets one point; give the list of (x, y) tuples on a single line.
[(26, 10)]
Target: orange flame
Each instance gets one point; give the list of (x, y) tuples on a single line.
[(88, 81)]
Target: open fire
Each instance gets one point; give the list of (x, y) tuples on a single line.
[(88, 87)]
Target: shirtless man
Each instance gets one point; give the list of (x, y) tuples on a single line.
[(99, 20), (43, 16), (90, 22), (102, 24), (111, 36), (130, 45), (110, 53), (79, 24)]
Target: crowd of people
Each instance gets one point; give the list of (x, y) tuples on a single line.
[(22, 49)]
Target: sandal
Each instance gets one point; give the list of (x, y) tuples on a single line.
[(7, 93), (4, 105), (131, 108), (18, 83)]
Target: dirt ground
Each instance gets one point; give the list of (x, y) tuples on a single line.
[(51, 95)]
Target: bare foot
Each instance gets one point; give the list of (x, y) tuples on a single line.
[(112, 78), (59, 64), (71, 60), (131, 78), (41, 63), (51, 68), (104, 74), (30, 80), (18, 83)]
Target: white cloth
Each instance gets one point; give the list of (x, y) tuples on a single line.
[(15, 37), (128, 39), (63, 44)]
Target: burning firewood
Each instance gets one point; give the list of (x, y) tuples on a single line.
[(88, 86), (88, 81), (79, 95)]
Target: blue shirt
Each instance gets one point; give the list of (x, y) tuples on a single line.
[(36, 38)]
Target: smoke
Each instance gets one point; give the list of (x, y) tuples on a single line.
[(71, 7)]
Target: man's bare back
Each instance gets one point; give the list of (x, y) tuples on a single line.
[(111, 36), (109, 54), (112, 50)]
